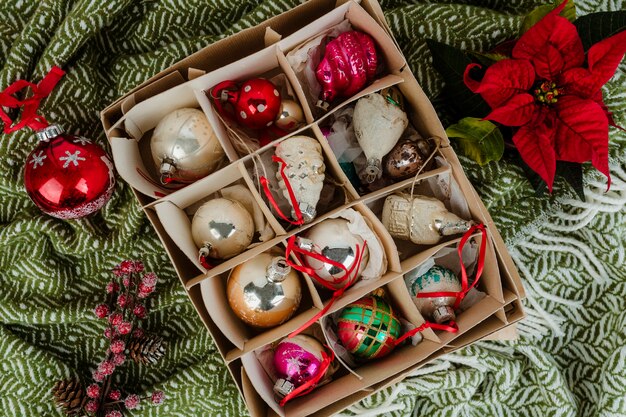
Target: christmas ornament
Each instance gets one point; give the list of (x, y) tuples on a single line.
[(184, 147), (125, 307), (436, 279), (378, 125), (333, 240), (349, 63), (290, 116), (422, 220), (303, 165), (368, 328), (406, 158), (297, 360), (255, 104), (264, 291), (221, 228), (67, 176)]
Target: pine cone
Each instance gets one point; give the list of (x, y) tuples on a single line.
[(147, 349), (70, 396)]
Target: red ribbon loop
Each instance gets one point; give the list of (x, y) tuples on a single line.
[(465, 287), (350, 274), (31, 104), (312, 383), (292, 196), (452, 328)]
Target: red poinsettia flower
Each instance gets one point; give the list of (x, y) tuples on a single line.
[(556, 102)]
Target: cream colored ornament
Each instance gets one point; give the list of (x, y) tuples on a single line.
[(304, 171), (264, 291), (332, 239), (222, 228), (422, 220), (184, 146), (378, 125)]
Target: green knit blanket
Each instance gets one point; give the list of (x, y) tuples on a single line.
[(570, 359)]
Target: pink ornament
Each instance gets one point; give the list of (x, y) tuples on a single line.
[(67, 176), (349, 64), (255, 104), (296, 361)]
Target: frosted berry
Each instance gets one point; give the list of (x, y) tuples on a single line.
[(118, 346), (92, 406), (93, 391), (115, 394), (125, 327), (139, 311), (102, 311), (157, 397), (132, 401)]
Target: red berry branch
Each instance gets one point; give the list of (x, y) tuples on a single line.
[(127, 295)]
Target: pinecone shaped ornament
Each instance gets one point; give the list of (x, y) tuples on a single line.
[(70, 396), (68, 176)]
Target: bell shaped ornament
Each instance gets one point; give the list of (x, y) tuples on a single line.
[(264, 291), (304, 169), (378, 125), (422, 220), (184, 147), (436, 279)]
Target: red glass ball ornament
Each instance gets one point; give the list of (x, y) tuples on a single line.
[(254, 104), (349, 63), (67, 176)]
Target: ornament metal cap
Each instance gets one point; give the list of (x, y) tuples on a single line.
[(282, 387), (50, 132), (443, 314), (448, 228), (308, 212), (277, 270), (166, 170), (206, 250), (304, 243), (372, 170)]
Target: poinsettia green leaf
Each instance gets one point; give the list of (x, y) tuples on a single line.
[(594, 27), (487, 58), (451, 62), (479, 139), (569, 12)]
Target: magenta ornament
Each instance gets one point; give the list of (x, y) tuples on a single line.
[(297, 360), (349, 63)]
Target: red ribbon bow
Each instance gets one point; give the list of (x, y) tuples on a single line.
[(31, 104)]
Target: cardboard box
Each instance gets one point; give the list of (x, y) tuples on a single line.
[(263, 51)]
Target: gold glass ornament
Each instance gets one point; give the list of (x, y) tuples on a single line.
[(264, 291)]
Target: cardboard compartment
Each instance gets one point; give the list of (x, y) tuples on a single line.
[(306, 166), (176, 211), (304, 50), (382, 266), (238, 140), (243, 337), (439, 184), (131, 135), (338, 128)]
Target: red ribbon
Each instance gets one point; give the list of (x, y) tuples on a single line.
[(292, 196), (452, 328), (465, 287), (31, 104), (312, 383), (350, 274)]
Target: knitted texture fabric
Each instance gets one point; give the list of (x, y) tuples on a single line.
[(570, 358)]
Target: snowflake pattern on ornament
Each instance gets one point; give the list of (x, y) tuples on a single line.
[(38, 159), (83, 141), (71, 158)]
